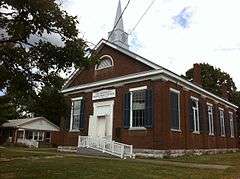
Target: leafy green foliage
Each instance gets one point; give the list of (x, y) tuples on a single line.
[(28, 61), (51, 104), (236, 98), (213, 80), (7, 109)]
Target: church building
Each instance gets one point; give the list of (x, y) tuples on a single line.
[(131, 100)]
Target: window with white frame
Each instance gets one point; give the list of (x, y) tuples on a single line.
[(195, 109), (210, 119), (106, 61), (222, 122), (231, 124), (38, 135), (175, 109), (75, 117), (137, 106)]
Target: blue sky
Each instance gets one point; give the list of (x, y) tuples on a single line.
[(1, 93), (174, 33)]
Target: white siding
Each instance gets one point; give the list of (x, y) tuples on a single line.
[(40, 125)]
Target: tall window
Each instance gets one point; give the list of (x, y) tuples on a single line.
[(231, 124), (210, 119), (75, 118), (195, 111), (137, 108), (175, 109), (105, 62), (222, 123)]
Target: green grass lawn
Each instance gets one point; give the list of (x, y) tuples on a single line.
[(36, 165), (221, 159)]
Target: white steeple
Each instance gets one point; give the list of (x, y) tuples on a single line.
[(118, 36)]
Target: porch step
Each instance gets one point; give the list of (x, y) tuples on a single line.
[(92, 152)]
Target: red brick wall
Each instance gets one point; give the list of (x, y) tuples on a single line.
[(160, 136), (123, 65)]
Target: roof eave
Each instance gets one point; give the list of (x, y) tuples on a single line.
[(163, 72)]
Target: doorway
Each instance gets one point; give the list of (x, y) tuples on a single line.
[(101, 123)]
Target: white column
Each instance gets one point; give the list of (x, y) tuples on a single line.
[(24, 134)]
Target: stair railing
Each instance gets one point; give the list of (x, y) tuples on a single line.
[(106, 146)]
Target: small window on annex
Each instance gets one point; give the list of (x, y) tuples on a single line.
[(106, 61)]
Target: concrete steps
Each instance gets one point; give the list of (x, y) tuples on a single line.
[(83, 151), (92, 152)]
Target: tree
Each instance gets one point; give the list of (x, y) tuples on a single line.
[(213, 80), (236, 99), (28, 61), (7, 110), (52, 109)]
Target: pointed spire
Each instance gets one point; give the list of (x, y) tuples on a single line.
[(118, 35), (118, 16)]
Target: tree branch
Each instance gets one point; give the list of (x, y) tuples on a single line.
[(3, 41)]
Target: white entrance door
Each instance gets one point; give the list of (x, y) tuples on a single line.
[(101, 123), (101, 127)]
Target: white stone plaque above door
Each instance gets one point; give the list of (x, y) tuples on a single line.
[(104, 94)]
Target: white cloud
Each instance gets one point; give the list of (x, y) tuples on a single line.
[(212, 35)]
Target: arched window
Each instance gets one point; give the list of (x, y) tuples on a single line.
[(106, 61)]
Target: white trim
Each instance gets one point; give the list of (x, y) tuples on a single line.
[(77, 98), (131, 112), (137, 128), (104, 56), (175, 91), (194, 98), (221, 109), (196, 120), (71, 77), (231, 123), (71, 118), (179, 109), (103, 103), (131, 105), (196, 132), (138, 88), (197, 89), (210, 104), (161, 73), (129, 53), (176, 130), (210, 120), (123, 50), (222, 122), (113, 80), (109, 121), (74, 130)]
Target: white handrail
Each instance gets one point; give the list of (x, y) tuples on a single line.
[(107, 146)]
